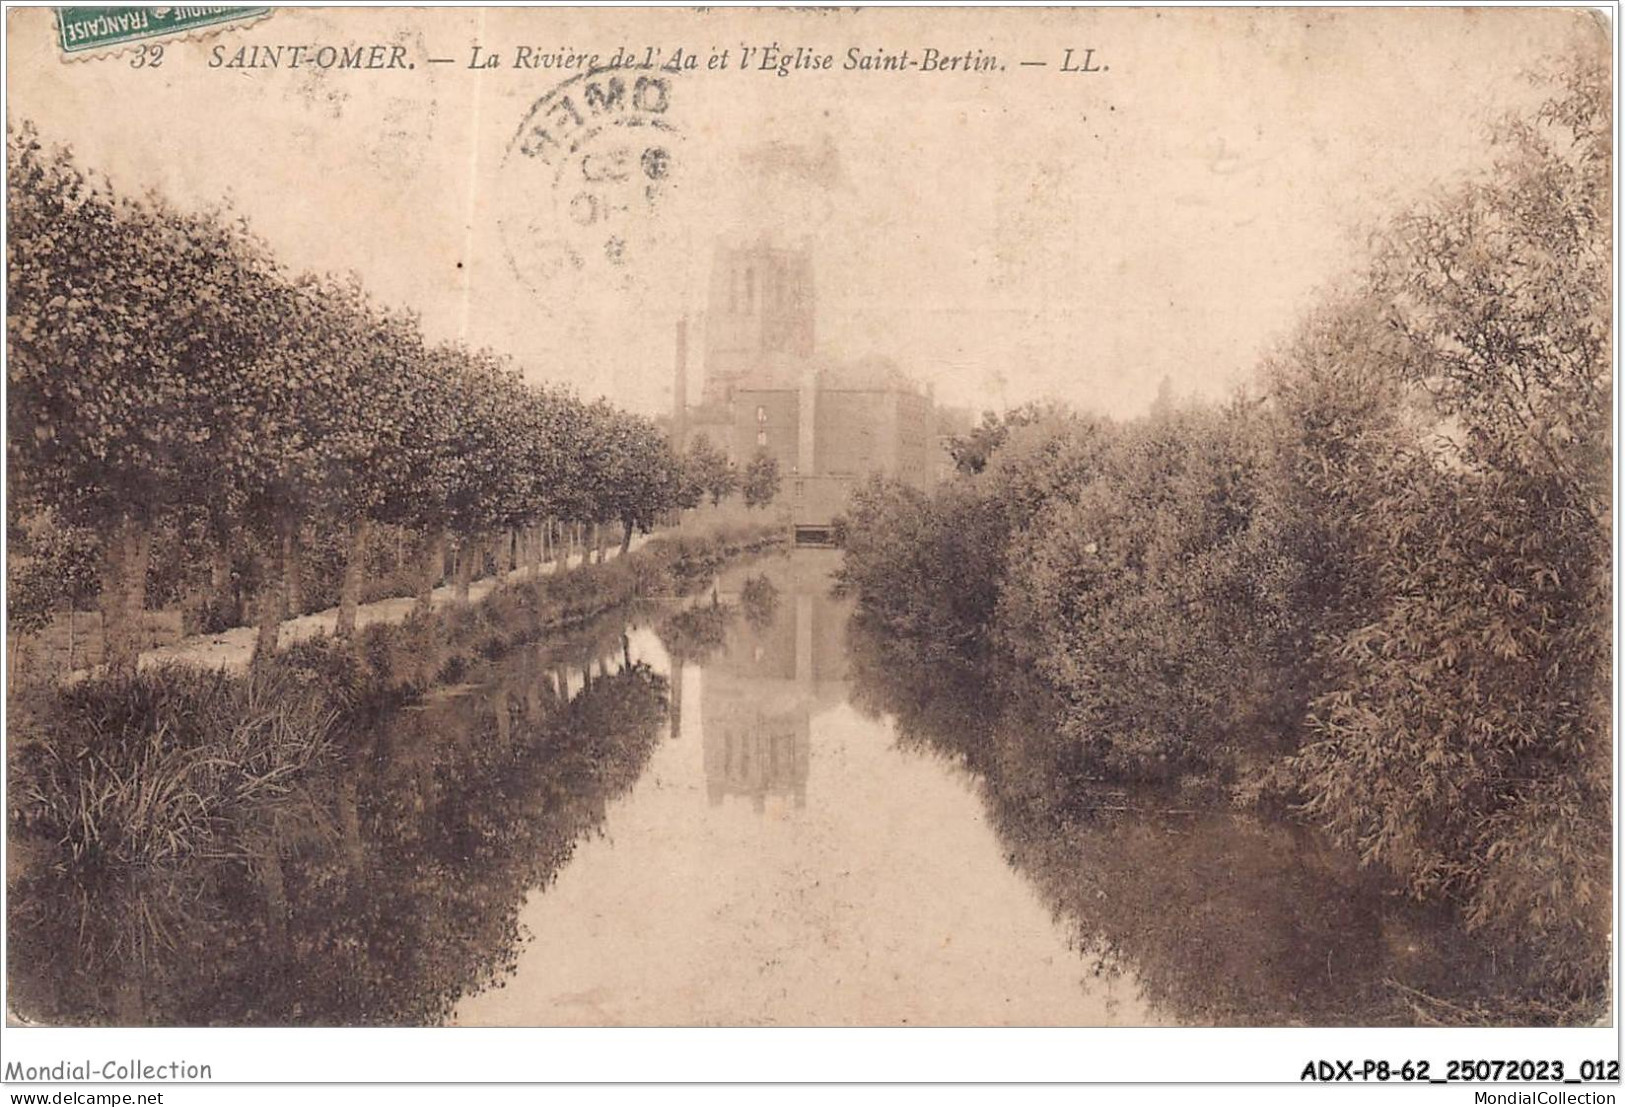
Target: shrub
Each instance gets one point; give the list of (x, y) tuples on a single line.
[(143, 785), (926, 565), (1381, 591), (1152, 601), (1461, 738)]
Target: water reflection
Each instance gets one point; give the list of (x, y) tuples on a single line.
[(1221, 918), (831, 833), (784, 661), (392, 889), (782, 861)]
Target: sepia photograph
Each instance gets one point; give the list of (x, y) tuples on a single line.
[(792, 517)]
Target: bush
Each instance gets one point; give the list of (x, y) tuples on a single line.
[(1380, 593), (1153, 600), (1461, 737), (210, 833), (142, 786), (926, 565)]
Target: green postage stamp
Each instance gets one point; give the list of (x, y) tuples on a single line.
[(86, 30)]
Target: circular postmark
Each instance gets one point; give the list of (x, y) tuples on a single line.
[(584, 176)]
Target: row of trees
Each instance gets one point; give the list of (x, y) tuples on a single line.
[(710, 474), (167, 374), (1376, 587)]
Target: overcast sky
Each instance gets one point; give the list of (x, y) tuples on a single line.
[(1004, 236)]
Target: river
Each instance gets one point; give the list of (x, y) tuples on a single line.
[(782, 861), (736, 809), (810, 845)]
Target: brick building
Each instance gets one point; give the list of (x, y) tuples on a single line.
[(767, 389)]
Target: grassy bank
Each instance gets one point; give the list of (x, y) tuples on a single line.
[(342, 834), (440, 647)]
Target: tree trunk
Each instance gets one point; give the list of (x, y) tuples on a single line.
[(431, 565), (270, 604), (222, 598), (676, 698), (599, 540), (626, 537), (501, 555), (292, 547), (70, 635), (124, 594), (135, 600), (465, 568), (350, 589)]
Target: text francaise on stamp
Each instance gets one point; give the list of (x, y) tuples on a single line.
[(92, 32)]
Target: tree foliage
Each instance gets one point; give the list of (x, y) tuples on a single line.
[(166, 371), (761, 481), (1462, 738), (709, 471), (1377, 590)]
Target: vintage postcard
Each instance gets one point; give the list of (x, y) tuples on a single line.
[(665, 517)]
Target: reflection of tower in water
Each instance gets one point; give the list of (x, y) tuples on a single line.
[(758, 696)]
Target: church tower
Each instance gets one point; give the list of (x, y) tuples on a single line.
[(759, 324)]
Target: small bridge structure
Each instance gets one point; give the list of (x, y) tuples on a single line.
[(815, 503), (814, 535)]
